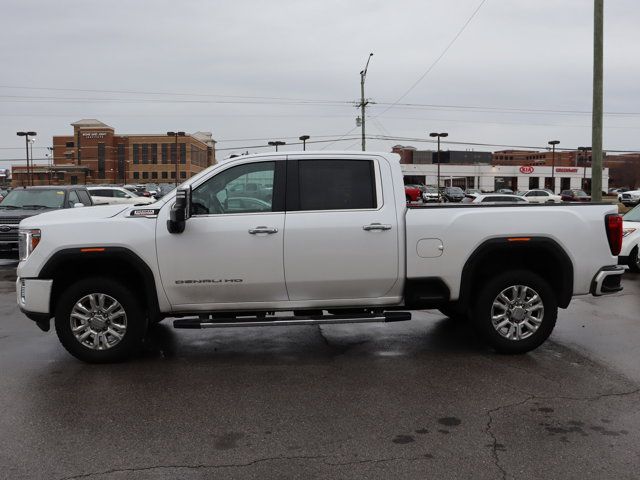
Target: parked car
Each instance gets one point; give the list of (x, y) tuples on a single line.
[(505, 190), (472, 191), (430, 194), (348, 244), (164, 188), (493, 198), (246, 205), (629, 254), (412, 193), (117, 196), (629, 198), (25, 202), (541, 196), (452, 194), (574, 195)]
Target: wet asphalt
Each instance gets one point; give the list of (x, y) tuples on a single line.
[(419, 399)]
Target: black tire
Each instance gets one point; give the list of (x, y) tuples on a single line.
[(482, 312), (136, 320), (634, 260)]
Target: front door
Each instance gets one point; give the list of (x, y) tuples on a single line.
[(341, 235), (231, 250)]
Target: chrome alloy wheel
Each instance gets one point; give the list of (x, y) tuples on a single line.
[(517, 312), (98, 321)]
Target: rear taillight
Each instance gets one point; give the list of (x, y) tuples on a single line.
[(613, 224)]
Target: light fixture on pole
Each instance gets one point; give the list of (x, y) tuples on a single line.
[(176, 135), (438, 135), (277, 143), (26, 136), (363, 103), (304, 139), (553, 144)]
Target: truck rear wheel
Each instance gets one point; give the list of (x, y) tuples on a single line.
[(515, 312), (634, 260), (99, 320)]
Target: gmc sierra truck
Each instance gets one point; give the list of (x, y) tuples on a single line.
[(330, 239)]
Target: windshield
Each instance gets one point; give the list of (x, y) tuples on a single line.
[(454, 190), (44, 198), (632, 215), (580, 193), (431, 190)]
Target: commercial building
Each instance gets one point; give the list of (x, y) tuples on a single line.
[(513, 169), (489, 178), (96, 154), (410, 155)]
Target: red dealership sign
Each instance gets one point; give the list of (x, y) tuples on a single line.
[(526, 169)]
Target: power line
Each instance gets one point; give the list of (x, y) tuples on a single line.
[(138, 92), (435, 62)]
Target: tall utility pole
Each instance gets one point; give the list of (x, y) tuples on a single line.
[(596, 120), (363, 103)]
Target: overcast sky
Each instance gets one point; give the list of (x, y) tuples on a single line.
[(524, 55)]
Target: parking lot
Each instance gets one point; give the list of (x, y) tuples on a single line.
[(419, 399)]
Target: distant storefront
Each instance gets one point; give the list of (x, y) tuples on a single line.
[(490, 178)]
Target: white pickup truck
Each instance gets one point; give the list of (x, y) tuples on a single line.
[(326, 236)]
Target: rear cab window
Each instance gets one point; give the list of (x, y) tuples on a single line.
[(328, 184)]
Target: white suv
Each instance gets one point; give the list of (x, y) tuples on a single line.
[(629, 198), (117, 196), (631, 240)]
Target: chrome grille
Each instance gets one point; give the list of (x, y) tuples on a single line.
[(10, 220)]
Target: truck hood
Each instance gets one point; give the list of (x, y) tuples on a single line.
[(73, 215)]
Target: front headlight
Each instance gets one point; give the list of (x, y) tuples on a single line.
[(628, 231), (28, 240)]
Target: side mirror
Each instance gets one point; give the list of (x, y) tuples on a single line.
[(78, 205), (179, 211)]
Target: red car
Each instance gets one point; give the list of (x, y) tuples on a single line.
[(574, 196), (413, 193)]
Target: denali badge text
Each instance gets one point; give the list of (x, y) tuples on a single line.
[(221, 280)]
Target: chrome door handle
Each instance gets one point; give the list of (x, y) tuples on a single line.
[(255, 231), (376, 226)]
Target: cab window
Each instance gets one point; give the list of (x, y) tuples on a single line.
[(246, 188)]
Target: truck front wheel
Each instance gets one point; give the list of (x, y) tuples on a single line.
[(100, 320), (515, 312)]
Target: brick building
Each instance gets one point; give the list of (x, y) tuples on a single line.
[(96, 154)]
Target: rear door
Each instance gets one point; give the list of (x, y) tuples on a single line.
[(341, 231)]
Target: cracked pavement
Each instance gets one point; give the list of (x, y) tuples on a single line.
[(419, 399)]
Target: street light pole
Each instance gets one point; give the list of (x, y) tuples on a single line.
[(276, 144), (583, 151), (438, 135), (304, 139), (176, 135), (26, 136), (363, 104), (553, 144)]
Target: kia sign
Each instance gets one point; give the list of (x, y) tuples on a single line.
[(526, 169)]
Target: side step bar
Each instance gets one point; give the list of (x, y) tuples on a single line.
[(288, 321)]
